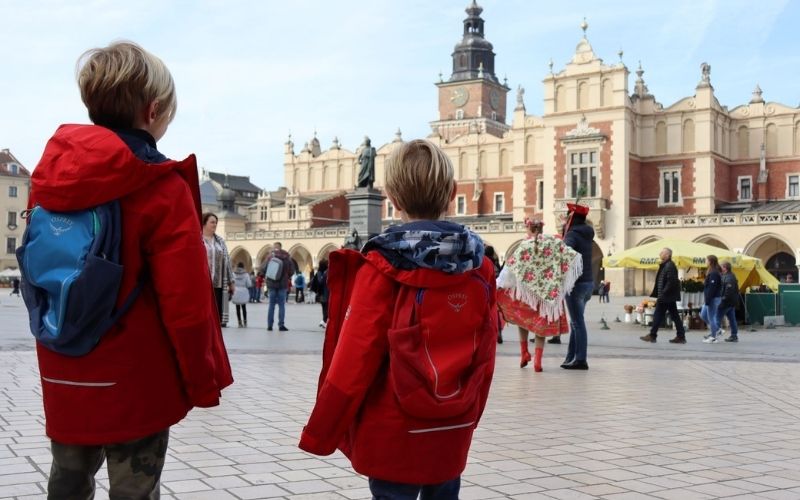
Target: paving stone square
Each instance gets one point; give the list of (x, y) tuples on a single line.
[(646, 421)]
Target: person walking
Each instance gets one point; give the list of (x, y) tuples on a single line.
[(219, 265), (321, 290), (278, 270), (532, 287), (712, 294), (241, 294), (259, 286), (667, 292), (606, 290), (299, 287), (14, 287), (166, 355), (727, 304), (579, 236), (252, 288)]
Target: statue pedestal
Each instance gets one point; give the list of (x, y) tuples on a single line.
[(365, 212)]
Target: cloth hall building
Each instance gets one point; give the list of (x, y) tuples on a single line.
[(693, 169)]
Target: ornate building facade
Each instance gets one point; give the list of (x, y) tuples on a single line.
[(694, 170), (14, 186)]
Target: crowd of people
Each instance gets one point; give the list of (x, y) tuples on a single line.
[(411, 320)]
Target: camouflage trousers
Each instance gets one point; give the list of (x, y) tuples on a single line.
[(134, 469)]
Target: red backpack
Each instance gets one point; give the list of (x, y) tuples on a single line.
[(441, 342)]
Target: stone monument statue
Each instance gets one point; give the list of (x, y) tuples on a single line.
[(353, 241), (366, 175)]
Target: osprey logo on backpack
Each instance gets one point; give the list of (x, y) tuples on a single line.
[(60, 225), (457, 301), (71, 273)]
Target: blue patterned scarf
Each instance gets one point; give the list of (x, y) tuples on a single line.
[(440, 245)]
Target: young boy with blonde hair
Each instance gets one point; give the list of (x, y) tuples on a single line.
[(165, 355), (410, 343)]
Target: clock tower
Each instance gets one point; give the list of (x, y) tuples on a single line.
[(473, 98)]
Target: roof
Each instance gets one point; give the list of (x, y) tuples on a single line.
[(208, 193), (776, 206), (6, 158), (235, 182)]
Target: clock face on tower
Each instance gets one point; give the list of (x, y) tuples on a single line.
[(460, 96), (494, 99)]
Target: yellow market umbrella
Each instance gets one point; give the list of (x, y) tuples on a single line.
[(748, 270)]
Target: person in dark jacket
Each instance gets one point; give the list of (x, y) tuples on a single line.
[(579, 236), (667, 292), (321, 290), (712, 290), (727, 305)]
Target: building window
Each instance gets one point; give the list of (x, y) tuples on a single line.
[(793, 186), (499, 203), (13, 168), (540, 195), (459, 114), (583, 169), (264, 215), (11, 245), (292, 211), (12, 191), (670, 187), (494, 115), (745, 188), (389, 210), (461, 204), (12, 220)]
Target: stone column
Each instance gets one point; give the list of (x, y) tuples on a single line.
[(365, 212)]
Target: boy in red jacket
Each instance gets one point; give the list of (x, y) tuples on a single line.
[(410, 342), (166, 354)]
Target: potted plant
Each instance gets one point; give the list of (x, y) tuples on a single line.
[(628, 312)]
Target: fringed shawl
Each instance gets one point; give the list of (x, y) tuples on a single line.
[(540, 273)]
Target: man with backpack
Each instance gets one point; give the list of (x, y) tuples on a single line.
[(278, 271), (410, 344), (103, 193)]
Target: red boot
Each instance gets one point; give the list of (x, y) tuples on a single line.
[(524, 355), (537, 359)]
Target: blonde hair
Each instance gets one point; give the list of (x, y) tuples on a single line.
[(419, 177), (119, 81)]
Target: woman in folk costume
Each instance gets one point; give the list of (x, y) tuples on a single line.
[(532, 287)]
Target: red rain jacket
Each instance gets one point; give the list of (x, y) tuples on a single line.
[(166, 354), (358, 408)]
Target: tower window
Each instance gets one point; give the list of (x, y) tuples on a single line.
[(459, 114)]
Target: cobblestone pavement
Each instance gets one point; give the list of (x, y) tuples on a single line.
[(646, 421)]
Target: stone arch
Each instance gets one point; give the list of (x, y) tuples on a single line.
[(772, 139), (239, 254), (530, 149), (463, 167), (606, 93), (583, 95), (482, 165), (661, 138), (504, 163), (302, 258), (713, 240), (511, 249), (688, 135), (326, 250), (648, 239), (782, 265), (561, 99), (766, 247), (743, 142), (262, 255)]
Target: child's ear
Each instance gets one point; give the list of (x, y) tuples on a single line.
[(152, 112)]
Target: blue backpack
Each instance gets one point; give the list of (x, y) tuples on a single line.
[(71, 274)]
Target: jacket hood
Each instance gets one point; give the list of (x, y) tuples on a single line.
[(424, 253), (88, 165), (281, 254)]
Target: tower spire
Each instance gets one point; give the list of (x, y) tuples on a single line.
[(473, 50)]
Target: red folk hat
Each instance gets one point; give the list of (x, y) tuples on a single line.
[(577, 209)]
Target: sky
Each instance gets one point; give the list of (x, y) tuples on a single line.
[(249, 73)]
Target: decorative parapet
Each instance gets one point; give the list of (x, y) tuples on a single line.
[(595, 204), (744, 219)]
